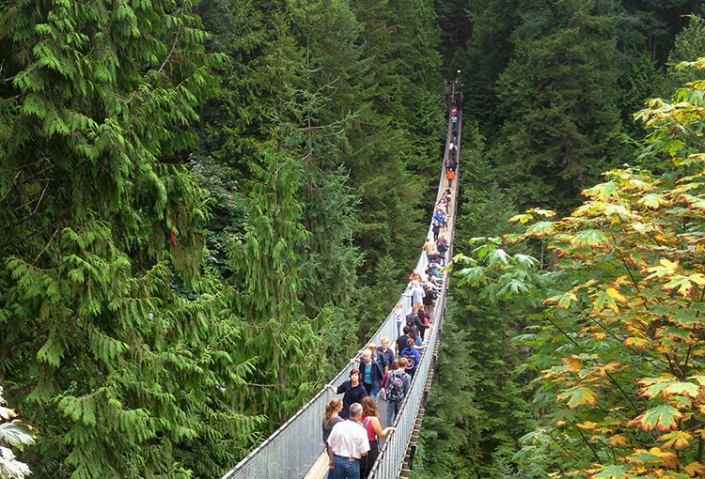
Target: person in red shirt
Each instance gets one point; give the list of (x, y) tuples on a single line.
[(370, 421)]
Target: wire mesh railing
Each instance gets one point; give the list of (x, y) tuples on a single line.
[(293, 449)]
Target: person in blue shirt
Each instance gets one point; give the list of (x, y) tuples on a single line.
[(412, 357)]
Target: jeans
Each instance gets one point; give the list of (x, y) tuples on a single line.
[(374, 395), (344, 468), (399, 323), (393, 408)]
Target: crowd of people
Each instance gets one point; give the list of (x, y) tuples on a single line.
[(385, 374)]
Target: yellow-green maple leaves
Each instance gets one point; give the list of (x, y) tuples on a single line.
[(624, 310)]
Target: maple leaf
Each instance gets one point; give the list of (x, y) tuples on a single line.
[(573, 363), (684, 318), (673, 333), (666, 268), (603, 191), (613, 293), (542, 228), (666, 458), (603, 299), (644, 456), (578, 396), (695, 469), (610, 472), (661, 417), (587, 425), (676, 439), (542, 212), (618, 440), (563, 300), (652, 200), (638, 343), (523, 219), (682, 283), (668, 387), (590, 237)]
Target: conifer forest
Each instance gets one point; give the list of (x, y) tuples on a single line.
[(206, 207)]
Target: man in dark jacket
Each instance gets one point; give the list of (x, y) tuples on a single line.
[(400, 342), (442, 248), (429, 300), (413, 321)]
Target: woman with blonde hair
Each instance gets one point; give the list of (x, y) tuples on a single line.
[(370, 421), (330, 419)]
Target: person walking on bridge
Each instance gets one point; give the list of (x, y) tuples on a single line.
[(330, 419), (417, 293), (412, 357), (450, 176), (348, 443), (370, 421), (430, 249), (372, 372), (396, 388), (387, 352), (353, 391)]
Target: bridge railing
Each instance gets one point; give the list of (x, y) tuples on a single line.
[(293, 448), (394, 449)]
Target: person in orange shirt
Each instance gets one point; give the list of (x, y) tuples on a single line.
[(450, 175)]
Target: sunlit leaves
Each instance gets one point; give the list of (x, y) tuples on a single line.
[(662, 418), (593, 238), (667, 386), (578, 396), (676, 440), (695, 469)]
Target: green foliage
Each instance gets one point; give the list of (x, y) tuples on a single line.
[(689, 44), (101, 219), (286, 368), (342, 91), (622, 303)]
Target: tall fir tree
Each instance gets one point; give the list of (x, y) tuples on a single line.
[(101, 224)]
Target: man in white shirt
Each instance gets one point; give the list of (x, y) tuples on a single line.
[(347, 443)]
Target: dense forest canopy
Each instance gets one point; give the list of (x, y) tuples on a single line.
[(206, 206)]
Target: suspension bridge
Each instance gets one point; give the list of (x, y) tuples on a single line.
[(296, 450)]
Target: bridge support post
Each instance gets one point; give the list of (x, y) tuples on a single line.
[(412, 453)]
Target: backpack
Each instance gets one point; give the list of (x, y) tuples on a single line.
[(395, 387)]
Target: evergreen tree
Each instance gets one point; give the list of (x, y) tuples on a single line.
[(286, 368), (689, 44), (486, 54), (101, 222), (560, 93)]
